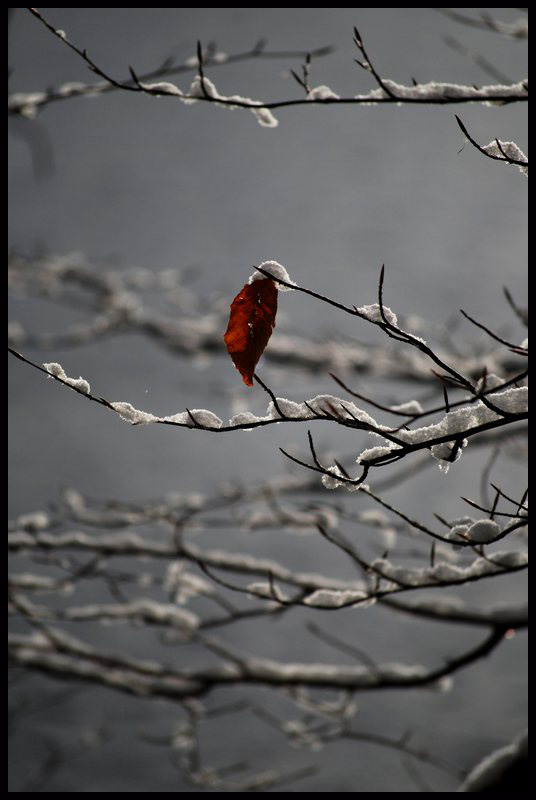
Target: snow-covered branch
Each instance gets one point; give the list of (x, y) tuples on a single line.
[(506, 152), (202, 89), (29, 104), (178, 603), (114, 302), (170, 598), (492, 403), (56, 652)]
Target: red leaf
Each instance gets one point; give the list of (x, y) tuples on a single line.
[(250, 325)]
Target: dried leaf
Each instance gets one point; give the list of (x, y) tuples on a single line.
[(250, 325)]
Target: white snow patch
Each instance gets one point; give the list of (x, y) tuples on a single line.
[(265, 118), (206, 418), (376, 452), (141, 608), (26, 103), (518, 29), (183, 584), (206, 88), (458, 533), (512, 558), (491, 381), (374, 314), (330, 481), (444, 453), (58, 372), (482, 531), (510, 150), (35, 583), (375, 517), (294, 519), (264, 589), (244, 418), (329, 404), (330, 598), (434, 90), (410, 407), (277, 270), (514, 401), (450, 573), (458, 421), (133, 415), (137, 417), (357, 487), (181, 418), (163, 87), (72, 87), (33, 521), (289, 408), (322, 93)]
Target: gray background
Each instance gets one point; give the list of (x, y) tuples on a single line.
[(332, 193)]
